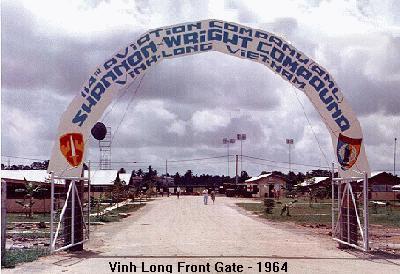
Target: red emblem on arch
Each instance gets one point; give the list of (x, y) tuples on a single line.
[(72, 147)]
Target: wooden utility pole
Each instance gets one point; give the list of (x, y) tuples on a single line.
[(237, 178), (3, 217), (394, 157)]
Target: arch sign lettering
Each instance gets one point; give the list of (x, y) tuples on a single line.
[(127, 65)]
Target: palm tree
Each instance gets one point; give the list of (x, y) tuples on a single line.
[(140, 173)]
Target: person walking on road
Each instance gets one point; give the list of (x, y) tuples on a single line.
[(213, 196), (178, 191), (205, 196)]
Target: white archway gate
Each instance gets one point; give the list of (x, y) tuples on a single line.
[(128, 65)]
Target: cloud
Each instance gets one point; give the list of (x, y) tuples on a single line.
[(206, 120), (366, 72), (186, 106)]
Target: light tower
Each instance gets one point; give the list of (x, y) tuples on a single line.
[(394, 157), (105, 151), (227, 141), (241, 137), (289, 142)]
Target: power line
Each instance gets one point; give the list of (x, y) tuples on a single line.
[(122, 162), (133, 163), (197, 159), (269, 165), (177, 161), (128, 105), (25, 158), (278, 162), (309, 123), (116, 101)]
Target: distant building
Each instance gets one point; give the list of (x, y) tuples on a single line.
[(381, 185), (102, 182), (314, 183), (165, 181), (16, 190), (267, 185)]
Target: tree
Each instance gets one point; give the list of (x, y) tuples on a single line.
[(99, 200), (318, 173), (149, 180), (300, 177), (39, 165), (149, 176), (133, 175), (118, 189), (244, 176), (27, 203), (188, 177), (140, 173), (177, 179), (279, 173)]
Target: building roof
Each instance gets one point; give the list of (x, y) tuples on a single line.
[(35, 175), (29, 175), (254, 179), (373, 174), (376, 173), (106, 177), (313, 181), (98, 177)]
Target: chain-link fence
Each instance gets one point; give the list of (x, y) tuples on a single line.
[(350, 212), (69, 223)]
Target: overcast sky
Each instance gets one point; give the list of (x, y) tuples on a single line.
[(186, 106)]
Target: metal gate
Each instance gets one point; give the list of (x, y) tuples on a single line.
[(69, 212), (350, 212)]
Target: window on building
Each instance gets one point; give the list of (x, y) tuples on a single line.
[(379, 188), (255, 189)]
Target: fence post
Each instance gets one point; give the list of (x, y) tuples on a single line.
[(339, 183), (3, 217), (89, 204), (73, 193), (348, 211), (333, 199), (366, 222), (52, 212)]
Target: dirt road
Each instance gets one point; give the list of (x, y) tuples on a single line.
[(185, 236)]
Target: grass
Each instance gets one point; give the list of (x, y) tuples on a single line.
[(319, 213), (385, 217), (31, 235), (40, 217), (21, 217), (15, 256), (112, 216)]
